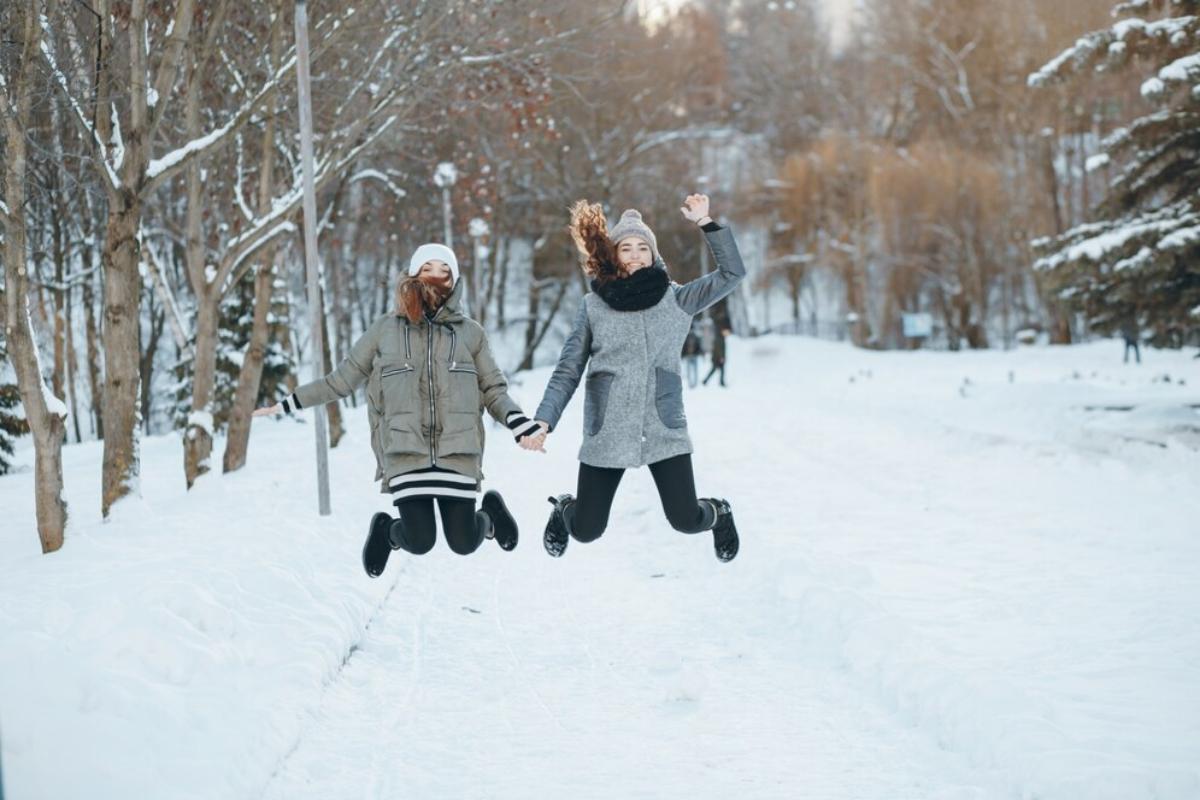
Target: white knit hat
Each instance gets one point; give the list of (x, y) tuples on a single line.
[(434, 252)]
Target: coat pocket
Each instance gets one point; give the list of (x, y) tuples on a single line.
[(397, 389), (403, 437), (461, 435), (668, 398), (595, 401), (463, 387)]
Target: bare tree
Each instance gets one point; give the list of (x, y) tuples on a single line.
[(45, 413)]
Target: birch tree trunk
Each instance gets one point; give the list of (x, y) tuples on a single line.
[(44, 412), (237, 441)]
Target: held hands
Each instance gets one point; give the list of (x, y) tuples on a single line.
[(695, 209), (536, 441), (267, 410)]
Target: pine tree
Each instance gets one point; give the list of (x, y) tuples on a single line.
[(1140, 261), (11, 425)]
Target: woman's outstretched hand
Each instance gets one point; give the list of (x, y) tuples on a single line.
[(695, 208), (267, 410)]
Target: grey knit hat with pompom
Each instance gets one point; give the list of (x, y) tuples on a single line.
[(631, 224)]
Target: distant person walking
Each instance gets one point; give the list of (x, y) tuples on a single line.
[(692, 350), (718, 355), (1131, 334)]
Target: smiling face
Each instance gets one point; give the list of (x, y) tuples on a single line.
[(435, 271), (634, 253)]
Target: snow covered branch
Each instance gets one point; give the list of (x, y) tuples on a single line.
[(80, 119)]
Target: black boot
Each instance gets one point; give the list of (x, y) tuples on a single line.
[(504, 527), (725, 535), (558, 531), (378, 545)]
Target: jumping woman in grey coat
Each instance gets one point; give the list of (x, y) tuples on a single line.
[(429, 373), (628, 335)]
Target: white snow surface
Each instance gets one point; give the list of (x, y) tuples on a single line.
[(963, 576)]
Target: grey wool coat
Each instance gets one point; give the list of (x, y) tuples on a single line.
[(427, 386), (633, 400)]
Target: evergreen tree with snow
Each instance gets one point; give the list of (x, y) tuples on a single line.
[(1138, 264), (237, 317), (11, 425)]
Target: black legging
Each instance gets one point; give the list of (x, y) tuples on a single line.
[(676, 488), (462, 526)]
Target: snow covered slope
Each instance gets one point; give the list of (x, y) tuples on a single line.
[(962, 576)]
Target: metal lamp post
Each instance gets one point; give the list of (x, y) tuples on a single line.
[(310, 246), (444, 177), (478, 229)]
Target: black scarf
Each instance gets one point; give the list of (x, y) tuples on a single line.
[(637, 292)]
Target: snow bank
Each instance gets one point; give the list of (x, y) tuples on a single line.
[(1007, 558), (175, 651)]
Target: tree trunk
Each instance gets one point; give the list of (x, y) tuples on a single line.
[(238, 439), (500, 269), (72, 372), (530, 326), (122, 290), (92, 336), (158, 322), (197, 439), (45, 416), (57, 382)]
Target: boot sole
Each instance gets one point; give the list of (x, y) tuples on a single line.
[(376, 530), (503, 518), (551, 544)]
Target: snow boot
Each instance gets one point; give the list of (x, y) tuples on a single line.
[(558, 531), (503, 527), (725, 535), (378, 545)]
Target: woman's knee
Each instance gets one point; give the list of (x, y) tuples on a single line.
[(414, 539), (584, 531), (462, 546), (584, 527)]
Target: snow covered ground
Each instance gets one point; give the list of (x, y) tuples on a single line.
[(962, 576)]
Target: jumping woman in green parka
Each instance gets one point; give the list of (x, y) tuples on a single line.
[(429, 371)]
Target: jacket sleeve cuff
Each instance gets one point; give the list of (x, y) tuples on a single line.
[(520, 425), (711, 227), (291, 403)]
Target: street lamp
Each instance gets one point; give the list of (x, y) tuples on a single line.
[(478, 229), (303, 81), (444, 177)]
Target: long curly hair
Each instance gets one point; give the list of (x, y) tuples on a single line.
[(589, 229), (416, 297)]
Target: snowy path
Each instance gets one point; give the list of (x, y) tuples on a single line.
[(613, 673), (963, 576)]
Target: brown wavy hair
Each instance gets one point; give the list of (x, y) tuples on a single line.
[(416, 297), (589, 229)]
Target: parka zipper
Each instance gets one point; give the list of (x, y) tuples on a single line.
[(397, 371), (454, 367), (432, 409), (407, 348)]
